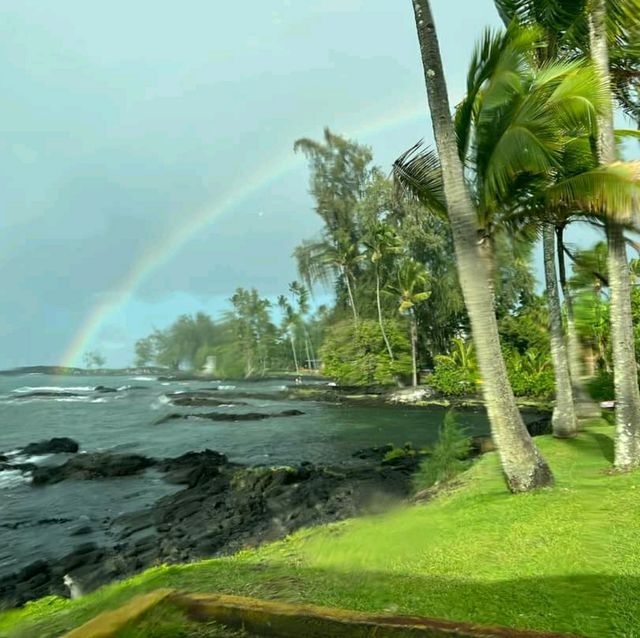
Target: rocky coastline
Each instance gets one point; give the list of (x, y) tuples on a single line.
[(222, 507)]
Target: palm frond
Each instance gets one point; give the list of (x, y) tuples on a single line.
[(611, 191), (417, 172), (626, 133)]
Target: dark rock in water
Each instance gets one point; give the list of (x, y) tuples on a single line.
[(60, 445), (223, 508), (202, 401), (33, 569), (47, 394), (104, 389), (193, 467), (224, 416), (372, 453), (92, 467)]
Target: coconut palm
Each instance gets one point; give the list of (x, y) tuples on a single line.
[(381, 241), (410, 288), (627, 449), (564, 419), (510, 132), (318, 261), (289, 320), (301, 296), (524, 132), (523, 465), (590, 28)]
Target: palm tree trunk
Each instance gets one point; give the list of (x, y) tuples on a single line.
[(584, 405), (414, 348), (347, 280), (306, 348), (522, 463), (382, 330), (293, 350), (625, 371), (563, 420)]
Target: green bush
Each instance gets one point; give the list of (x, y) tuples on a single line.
[(530, 373), (358, 356), (449, 457), (601, 387), (452, 380), (407, 450)]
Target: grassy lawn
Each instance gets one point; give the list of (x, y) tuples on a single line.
[(566, 559)]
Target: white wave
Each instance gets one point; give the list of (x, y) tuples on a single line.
[(226, 387), (162, 401), (26, 389), (17, 457), (13, 478), (142, 378)]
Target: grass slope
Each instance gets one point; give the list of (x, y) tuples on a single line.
[(565, 559)]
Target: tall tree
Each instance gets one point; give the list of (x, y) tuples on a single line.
[(522, 463), (625, 370), (340, 173), (289, 319), (381, 241), (564, 420), (411, 289)]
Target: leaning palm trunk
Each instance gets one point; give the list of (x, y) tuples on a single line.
[(414, 348), (584, 405), (293, 350), (563, 420), (524, 467), (347, 279), (625, 372), (380, 321)]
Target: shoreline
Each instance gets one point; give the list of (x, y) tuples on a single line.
[(221, 508)]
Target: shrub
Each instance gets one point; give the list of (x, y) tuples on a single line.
[(453, 381), (449, 457), (601, 386), (407, 450), (358, 356)]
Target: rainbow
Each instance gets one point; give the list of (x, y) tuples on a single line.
[(162, 252)]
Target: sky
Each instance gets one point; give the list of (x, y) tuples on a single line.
[(146, 150)]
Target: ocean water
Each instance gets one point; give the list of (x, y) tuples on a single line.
[(38, 522)]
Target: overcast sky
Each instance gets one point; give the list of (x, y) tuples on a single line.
[(120, 121)]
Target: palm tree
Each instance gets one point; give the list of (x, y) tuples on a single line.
[(584, 406), (523, 465), (585, 27), (319, 260), (504, 113), (381, 241), (564, 420), (411, 289), (523, 133), (289, 321), (301, 296), (625, 375)]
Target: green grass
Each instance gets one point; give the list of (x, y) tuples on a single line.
[(565, 559)]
